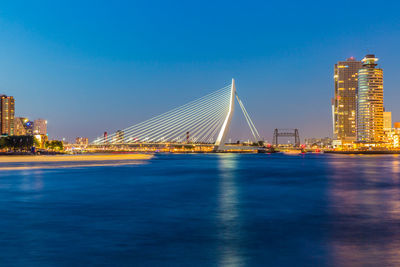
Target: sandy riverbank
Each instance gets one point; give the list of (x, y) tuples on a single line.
[(74, 158), (69, 161)]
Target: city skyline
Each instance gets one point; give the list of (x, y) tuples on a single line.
[(106, 71)]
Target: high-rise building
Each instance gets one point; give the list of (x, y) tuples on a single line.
[(40, 127), (23, 126), (7, 111), (387, 121), (370, 102), (344, 104)]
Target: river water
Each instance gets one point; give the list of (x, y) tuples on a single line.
[(205, 210)]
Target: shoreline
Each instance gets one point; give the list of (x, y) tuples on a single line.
[(73, 158), (384, 152), (42, 167)]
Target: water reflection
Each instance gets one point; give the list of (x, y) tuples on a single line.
[(217, 209), (365, 209), (396, 166), (229, 212), (31, 185)]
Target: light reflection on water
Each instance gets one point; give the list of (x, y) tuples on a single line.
[(32, 180), (365, 203), (229, 213)]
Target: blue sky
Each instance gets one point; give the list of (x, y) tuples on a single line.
[(104, 65)]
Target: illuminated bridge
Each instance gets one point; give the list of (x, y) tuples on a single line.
[(205, 120)]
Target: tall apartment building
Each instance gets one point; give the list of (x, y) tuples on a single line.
[(344, 103), (7, 111), (40, 127), (370, 102)]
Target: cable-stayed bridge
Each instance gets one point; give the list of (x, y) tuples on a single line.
[(205, 120)]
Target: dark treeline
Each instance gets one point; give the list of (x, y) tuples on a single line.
[(26, 142), (18, 143), (54, 145)]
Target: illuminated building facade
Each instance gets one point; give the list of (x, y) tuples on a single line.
[(23, 126), (318, 142), (83, 141), (387, 121), (344, 104), (119, 136), (7, 111), (40, 127), (370, 102), (19, 128)]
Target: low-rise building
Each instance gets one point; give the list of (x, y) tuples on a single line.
[(318, 142), (82, 141)]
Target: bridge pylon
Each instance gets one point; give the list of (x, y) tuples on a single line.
[(220, 142)]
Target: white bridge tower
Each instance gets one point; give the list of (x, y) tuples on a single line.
[(220, 142)]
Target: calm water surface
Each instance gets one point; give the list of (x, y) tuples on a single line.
[(206, 210)]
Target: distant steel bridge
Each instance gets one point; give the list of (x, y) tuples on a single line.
[(286, 133), (205, 120)]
